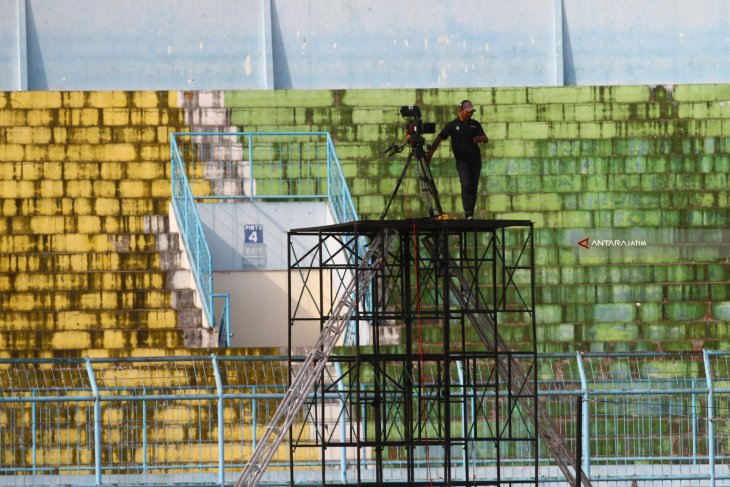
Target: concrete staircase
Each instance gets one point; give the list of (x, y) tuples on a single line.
[(221, 161)]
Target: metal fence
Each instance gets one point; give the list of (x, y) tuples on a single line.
[(652, 419)]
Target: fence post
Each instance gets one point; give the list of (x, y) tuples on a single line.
[(97, 421), (250, 166), (221, 422), (710, 417), (694, 422), (578, 439), (460, 370), (343, 423), (254, 413), (144, 431), (328, 142), (585, 418), (34, 408)]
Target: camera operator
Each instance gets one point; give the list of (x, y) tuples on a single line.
[(465, 134)]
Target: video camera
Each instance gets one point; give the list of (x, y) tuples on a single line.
[(415, 126)]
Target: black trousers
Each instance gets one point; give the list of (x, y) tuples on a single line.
[(469, 171)]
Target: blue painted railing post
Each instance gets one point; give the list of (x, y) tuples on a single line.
[(364, 425), (221, 422), (343, 423), (460, 371), (586, 419), (710, 417), (97, 421), (694, 423), (144, 431), (254, 411), (250, 166), (35, 444)]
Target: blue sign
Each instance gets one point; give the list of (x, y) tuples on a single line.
[(253, 234)]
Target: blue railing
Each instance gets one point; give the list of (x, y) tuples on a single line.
[(193, 420), (338, 192), (247, 166), (288, 166), (193, 236)]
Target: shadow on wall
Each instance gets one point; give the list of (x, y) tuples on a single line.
[(37, 79), (282, 77), (568, 62), (260, 313)]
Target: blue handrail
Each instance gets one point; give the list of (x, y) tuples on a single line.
[(193, 236), (248, 166)]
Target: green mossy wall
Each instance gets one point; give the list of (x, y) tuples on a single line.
[(596, 162)]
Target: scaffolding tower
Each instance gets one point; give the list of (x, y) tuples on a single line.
[(440, 385)]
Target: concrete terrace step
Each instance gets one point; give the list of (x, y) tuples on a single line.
[(637, 273), (93, 171), (389, 97), (650, 115), (566, 293), (96, 99), (100, 189), (90, 320), (84, 152), (84, 206), (143, 352), (78, 135), (69, 300), (14, 116), (86, 224), (92, 281), (29, 342), (90, 261), (79, 242)]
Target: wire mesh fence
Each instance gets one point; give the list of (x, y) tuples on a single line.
[(648, 419)]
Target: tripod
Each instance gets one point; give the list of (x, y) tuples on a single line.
[(424, 175)]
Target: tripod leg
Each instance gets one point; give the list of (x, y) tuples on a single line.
[(429, 187), (397, 186)]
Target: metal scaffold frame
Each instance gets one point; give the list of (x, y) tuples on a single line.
[(443, 367)]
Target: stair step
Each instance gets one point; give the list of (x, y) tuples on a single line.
[(90, 261), (17, 186), (208, 116), (28, 342), (78, 242), (90, 320), (78, 206), (64, 300), (91, 281), (82, 152), (90, 224), (145, 353), (201, 99)]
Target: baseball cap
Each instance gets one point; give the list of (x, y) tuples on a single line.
[(466, 105)]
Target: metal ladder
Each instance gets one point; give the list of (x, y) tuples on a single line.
[(316, 361), (517, 376)]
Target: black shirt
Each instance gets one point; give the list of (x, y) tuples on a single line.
[(462, 135)]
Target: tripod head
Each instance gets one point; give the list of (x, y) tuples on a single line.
[(416, 128)]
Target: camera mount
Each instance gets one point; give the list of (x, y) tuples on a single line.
[(415, 128)]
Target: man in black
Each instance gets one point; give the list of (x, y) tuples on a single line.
[(465, 134)]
